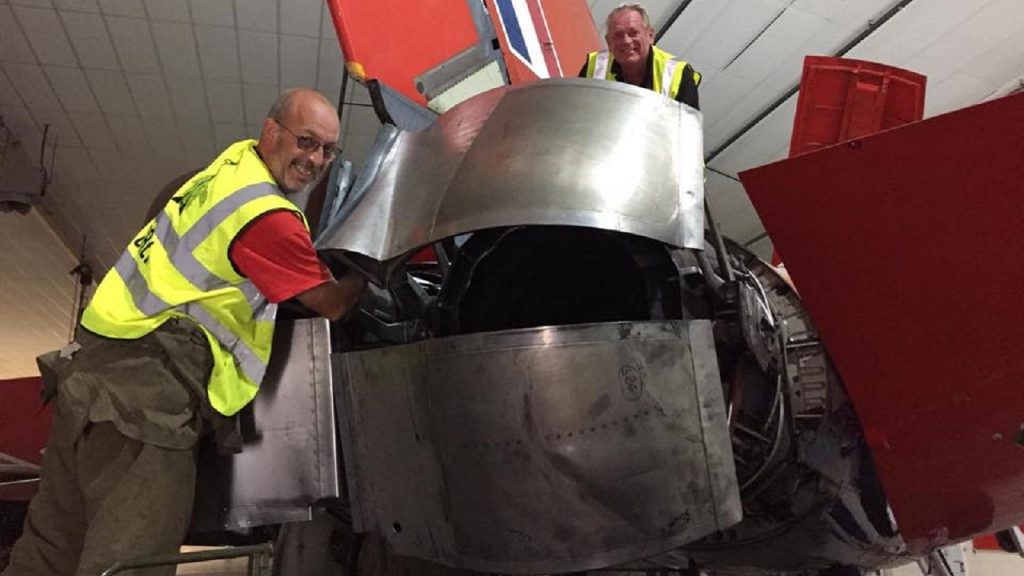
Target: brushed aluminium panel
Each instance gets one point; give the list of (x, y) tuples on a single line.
[(289, 458), (554, 449), (563, 152)]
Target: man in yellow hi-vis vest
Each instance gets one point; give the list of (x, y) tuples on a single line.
[(633, 58), (176, 339)]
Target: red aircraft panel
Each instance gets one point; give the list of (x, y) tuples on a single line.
[(841, 98), (24, 428), (906, 247), (24, 420), (573, 33), (538, 39), (563, 29), (395, 50)]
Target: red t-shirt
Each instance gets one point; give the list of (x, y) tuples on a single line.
[(276, 254)]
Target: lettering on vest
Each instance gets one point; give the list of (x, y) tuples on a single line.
[(144, 242)]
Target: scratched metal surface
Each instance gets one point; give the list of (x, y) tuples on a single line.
[(513, 156), (289, 458), (553, 449)]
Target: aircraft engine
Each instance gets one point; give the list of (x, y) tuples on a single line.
[(575, 378), (810, 496), (564, 265)]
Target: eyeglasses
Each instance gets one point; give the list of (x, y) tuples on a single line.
[(310, 144)]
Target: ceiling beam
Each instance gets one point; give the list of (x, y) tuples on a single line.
[(722, 174), (671, 19)]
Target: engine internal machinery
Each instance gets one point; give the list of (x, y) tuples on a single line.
[(804, 475)]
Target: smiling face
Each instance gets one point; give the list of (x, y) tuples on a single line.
[(306, 114), (629, 38)]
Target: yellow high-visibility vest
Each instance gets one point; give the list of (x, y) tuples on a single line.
[(178, 266), (666, 78)]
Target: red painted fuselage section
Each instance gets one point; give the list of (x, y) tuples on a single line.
[(396, 41), (24, 428), (565, 31), (905, 246)]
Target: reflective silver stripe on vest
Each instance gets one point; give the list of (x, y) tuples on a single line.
[(601, 65), (150, 304), (252, 295), (666, 77), (181, 248), (249, 363), (262, 310), (268, 313), (180, 251)]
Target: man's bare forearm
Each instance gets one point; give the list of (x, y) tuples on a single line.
[(334, 298)]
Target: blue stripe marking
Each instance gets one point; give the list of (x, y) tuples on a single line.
[(513, 31)]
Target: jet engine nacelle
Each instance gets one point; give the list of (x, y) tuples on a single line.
[(579, 381)]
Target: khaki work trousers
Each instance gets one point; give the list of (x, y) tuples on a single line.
[(103, 497)]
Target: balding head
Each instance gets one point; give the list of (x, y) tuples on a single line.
[(299, 124), (286, 100)]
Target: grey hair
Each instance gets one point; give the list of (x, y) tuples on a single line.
[(626, 6), (284, 101)]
